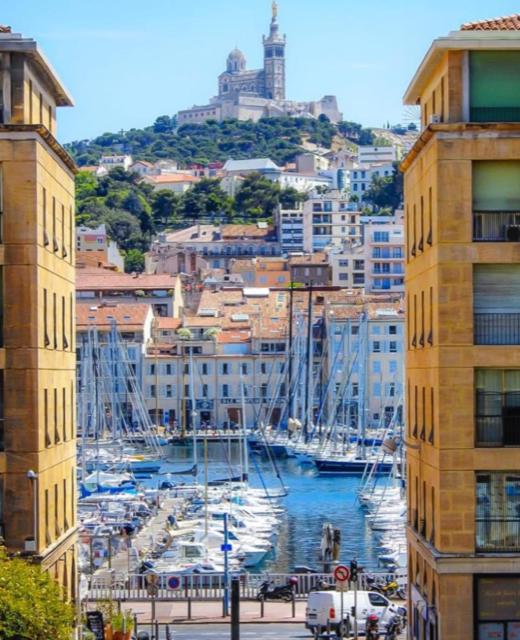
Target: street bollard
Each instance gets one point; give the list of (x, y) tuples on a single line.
[(235, 609), (189, 608), (262, 607), (293, 602), (157, 631)]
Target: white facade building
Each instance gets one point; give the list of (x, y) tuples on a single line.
[(361, 176), (329, 220), (111, 162), (368, 154)]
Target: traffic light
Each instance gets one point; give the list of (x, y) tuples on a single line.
[(353, 570)]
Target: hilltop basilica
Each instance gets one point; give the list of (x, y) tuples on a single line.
[(252, 94)]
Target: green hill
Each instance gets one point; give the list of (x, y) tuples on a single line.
[(277, 138)]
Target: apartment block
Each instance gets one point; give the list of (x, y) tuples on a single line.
[(462, 204), (330, 220), (37, 361)]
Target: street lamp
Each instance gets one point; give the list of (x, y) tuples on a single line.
[(32, 476)]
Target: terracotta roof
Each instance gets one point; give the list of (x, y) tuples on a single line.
[(167, 323), (127, 316), (103, 280), (168, 178), (91, 259), (231, 337), (309, 258), (246, 231), (504, 23)]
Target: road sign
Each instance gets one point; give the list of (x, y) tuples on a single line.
[(226, 547), (341, 573), (174, 582)]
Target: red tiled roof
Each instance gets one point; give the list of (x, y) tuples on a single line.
[(92, 279), (91, 259), (127, 316), (504, 23), (170, 178), (162, 323)]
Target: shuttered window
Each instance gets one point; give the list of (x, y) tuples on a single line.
[(496, 185), (495, 86), (496, 288)]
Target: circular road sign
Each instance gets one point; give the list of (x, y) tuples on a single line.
[(342, 573), (174, 582)]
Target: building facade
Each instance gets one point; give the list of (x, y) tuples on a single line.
[(37, 361), (462, 197), (330, 220)]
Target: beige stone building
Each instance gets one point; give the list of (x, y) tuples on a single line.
[(462, 204), (37, 362)]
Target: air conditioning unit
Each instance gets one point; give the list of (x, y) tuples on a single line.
[(30, 545), (435, 118), (513, 233)]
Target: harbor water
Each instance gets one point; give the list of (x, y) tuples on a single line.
[(312, 500)]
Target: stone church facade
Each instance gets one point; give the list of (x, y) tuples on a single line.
[(247, 94)]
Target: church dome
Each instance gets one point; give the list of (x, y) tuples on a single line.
[(236, 61)]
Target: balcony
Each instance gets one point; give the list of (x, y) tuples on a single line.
[(497, 328), (496, 226), (498, 535)]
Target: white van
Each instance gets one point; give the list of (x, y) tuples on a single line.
[(324, 611)]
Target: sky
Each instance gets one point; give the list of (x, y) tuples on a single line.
[(128, 61)]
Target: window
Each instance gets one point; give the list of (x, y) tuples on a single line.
[(376, 347), (355, 389), (55, 320), (497, 512), (355, 330), (343, 263), (44, 217), (263, 368), (263, 390), (496, 200), (204, 369), (186, 369), (205, 391), (169, 391), (226, 369), (65, 342), (392, 330), (168, 369), (225, 391), (343, 276), (376, 390), (392, 366), (393, 347), (494, 86), (152, 391), (359, 265), (243, 368), (497, 407), (376, 366), (377, 600), (151, 369), (381, 236)]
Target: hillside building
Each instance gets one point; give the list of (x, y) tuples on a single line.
[(247, 94)]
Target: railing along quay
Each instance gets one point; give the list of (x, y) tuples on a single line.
[(169, 587)]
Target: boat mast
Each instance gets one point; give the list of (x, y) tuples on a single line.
[(193, 413), (308, 400)]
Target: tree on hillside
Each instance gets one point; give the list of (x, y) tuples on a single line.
[(124, 229), (138, 206), (31, 604), (258, 197), (204, 198), (386, 192), (165, 204), (289, 198), (134, 261)]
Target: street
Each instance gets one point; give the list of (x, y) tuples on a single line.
[(247, 632)]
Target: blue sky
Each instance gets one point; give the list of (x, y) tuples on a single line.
[(128, 61)]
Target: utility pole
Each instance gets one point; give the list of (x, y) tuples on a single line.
[(290, 373)]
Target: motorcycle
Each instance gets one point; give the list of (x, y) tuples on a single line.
[(372, 627), (284, 592), (390, 588), (394, 627)]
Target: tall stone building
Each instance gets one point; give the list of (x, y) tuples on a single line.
[(462, 202), (37, 361), (248, 94)]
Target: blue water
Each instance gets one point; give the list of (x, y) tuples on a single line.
[(312, 501)]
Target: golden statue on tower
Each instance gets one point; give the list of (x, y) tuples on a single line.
[(275, 10)]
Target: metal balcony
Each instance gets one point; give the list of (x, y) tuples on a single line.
[(497, 535), (496, 328), (496, 226)]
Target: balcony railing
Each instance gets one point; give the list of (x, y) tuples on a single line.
[(497, 328), (495, 114), (496, 226), (498, 535)]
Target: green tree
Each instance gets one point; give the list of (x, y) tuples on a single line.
[(386, 192), (165, 205), (122, 227), (205, 197), (31, 604), (134, 261), (289, 198), (258, 197)]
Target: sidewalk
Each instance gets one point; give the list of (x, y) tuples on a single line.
[(211, 612)]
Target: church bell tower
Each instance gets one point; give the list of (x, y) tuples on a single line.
[(274, 60)]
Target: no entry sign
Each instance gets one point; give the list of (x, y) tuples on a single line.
[(342, 573)]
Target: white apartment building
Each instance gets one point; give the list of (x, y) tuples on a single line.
[(289, 224), (111, 162), (384, 253), (365, 362), (361, 176), (370, 154), (330, 221)]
